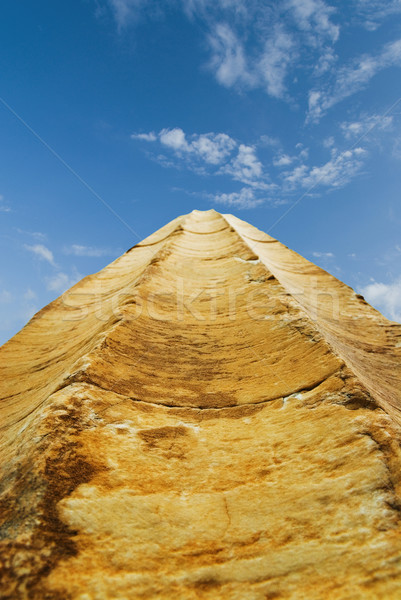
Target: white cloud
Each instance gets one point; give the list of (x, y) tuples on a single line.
[(245, 198), (245, 166), (328, 142), (267, 140), (304, 154), (314, 16), (175, 139), (238, 8), (386, 297), (354, 129), (335, 173), (283, 160), (352, 78), (252, 44), (216, 149), (37, 235), (61, 281), (28, 308), (279, 52), (374, 11), (323, 254), (202, 153), (29, 295), (315, 102), (211, 148), (41, 252), (89, 251), (228, 59), (325, 62), (125, 11), (146, 137)]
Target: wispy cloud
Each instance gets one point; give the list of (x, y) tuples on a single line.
[(328, 142), (352, 78), (386, 297), (278, 53), (3, 206), (323, 254), (269, 141), (266, 68), (88, 251), (29, 304), (245, 198), (147, 137), (37, 235), (283, 160), (372, 12), (228, 58), (335, 173), (365, 123), (314, 17), (41, 252), (126, 11), (29, 294), (256, 44), (212, 148), (61, 281), (216, 154), (245, 167), (239, 9), (252, 44), (261, 45)]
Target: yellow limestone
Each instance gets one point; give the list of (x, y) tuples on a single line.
[(210, 416)]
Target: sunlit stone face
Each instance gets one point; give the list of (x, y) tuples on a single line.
[(210, 416)]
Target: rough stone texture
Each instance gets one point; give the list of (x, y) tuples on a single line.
[(210, 416)]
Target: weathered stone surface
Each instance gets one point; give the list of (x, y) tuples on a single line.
[(210, 416)]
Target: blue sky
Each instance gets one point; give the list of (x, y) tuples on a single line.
[(118, 115)]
